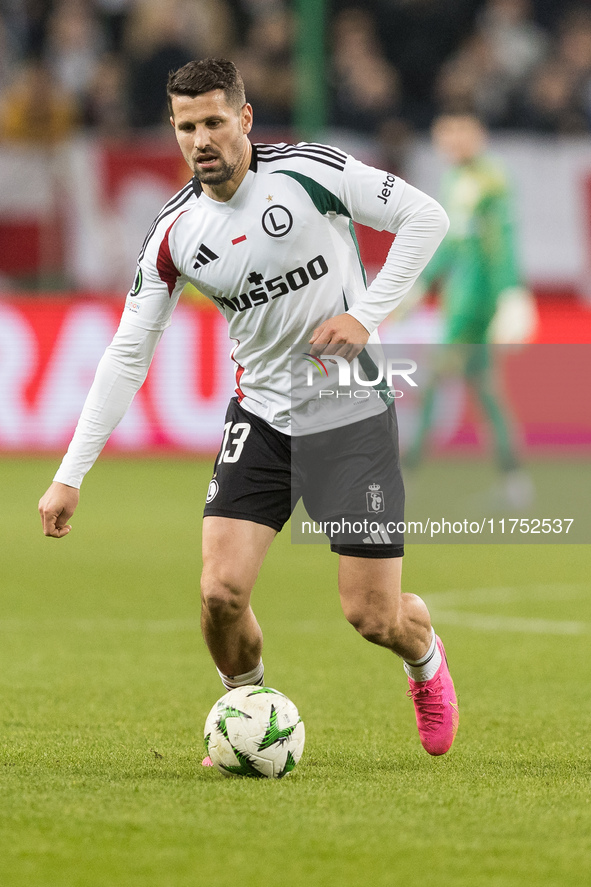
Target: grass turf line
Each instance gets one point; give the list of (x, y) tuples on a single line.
[(106, 684)]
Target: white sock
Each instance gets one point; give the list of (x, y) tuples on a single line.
[(426, 668), (256, 676)]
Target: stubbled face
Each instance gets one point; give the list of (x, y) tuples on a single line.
[(212, 136), (459, 138)]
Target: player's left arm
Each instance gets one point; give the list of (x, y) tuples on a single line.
[(388, 203), (498, 238), (384, 202), (516, 318)]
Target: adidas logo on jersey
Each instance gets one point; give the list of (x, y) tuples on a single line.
[(204, 256)]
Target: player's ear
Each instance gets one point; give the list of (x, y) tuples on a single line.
[(171, 121), (246, 118)]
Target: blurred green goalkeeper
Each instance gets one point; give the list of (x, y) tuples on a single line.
[(476, 272)]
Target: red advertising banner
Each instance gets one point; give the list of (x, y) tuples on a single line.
[(50, 348), (49, 351)]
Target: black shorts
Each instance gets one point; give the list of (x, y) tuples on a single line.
[(348, 478)]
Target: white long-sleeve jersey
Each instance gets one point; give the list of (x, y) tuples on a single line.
[(277, 259)]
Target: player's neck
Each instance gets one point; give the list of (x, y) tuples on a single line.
[(226, 190), (469, 160)]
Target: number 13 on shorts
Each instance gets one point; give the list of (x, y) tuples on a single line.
[(235, 435)]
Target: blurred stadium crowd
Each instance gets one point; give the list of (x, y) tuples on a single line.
[(100, 65)]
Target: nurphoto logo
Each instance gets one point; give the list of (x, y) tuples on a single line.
[(383, 370)]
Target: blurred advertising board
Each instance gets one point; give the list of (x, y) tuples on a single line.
[(50, 347), (49, 351)]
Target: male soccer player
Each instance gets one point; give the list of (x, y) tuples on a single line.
[(265, 232), (483, 298)]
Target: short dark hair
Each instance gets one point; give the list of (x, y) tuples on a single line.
[(195, 78)]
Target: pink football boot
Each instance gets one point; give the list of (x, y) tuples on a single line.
[(436, 708)]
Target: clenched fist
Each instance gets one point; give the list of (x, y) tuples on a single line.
[(56, 508)]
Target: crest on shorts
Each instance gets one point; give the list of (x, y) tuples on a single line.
[(375, 499), (212, 491)]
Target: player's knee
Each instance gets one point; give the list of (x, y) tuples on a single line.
[(374, 626), (223, 597)]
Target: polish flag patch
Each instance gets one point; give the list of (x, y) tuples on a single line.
[(238, 240)]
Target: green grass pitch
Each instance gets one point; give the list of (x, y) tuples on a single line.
[(105, 685)]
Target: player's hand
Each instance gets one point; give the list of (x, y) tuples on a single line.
[(343, 335), (56, 508), (516, 317)]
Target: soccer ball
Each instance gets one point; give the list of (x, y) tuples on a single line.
[(254, 731)]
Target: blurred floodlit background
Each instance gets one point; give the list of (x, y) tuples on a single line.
[(87, 158)]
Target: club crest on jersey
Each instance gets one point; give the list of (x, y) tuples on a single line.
[(277, 221), (375, 499)]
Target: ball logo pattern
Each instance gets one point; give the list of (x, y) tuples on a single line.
[(256, 732)]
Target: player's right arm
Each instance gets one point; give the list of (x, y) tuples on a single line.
[(120, 374)]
